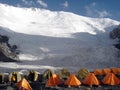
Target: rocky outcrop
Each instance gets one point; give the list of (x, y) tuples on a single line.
[(115, 33), (7, 52)]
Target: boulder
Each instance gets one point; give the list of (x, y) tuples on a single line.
[(7, 52)]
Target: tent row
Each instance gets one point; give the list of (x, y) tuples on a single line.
[(106, 71), (55, 80), (50, 78), (90, 80), (72, 80), (63, 73)]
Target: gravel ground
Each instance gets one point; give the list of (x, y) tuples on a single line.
[(40, 86)]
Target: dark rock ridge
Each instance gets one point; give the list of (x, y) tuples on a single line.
[(115, 34), (8, 53)]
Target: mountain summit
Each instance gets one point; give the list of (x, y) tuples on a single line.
[(51, 39), (36, 21)]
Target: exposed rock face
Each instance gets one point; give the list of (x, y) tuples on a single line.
[(7, 52), (115, 33)]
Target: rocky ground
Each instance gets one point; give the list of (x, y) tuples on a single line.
[(40, 86)]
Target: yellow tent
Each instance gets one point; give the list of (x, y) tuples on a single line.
[(32, 75), (111, 79), (72, 81), (53, 81), (64, 73), (15, 77), (24, 85), (47, 74), (82, 73), (91, 80), (2, 78)]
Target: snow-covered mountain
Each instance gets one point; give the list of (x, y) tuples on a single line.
[(51, 39)]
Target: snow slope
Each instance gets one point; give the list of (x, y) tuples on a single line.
[(54, 40)]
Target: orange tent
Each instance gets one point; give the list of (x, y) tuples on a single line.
[(91, 80), (72, 81), (53, 81), (24, 85), (106, 71), (115, 70), (111, 79), (98, 72)]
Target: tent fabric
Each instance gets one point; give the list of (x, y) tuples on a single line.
[(106, 71), (116, 70), (111, 79), (47, 74), (64, 73), (91, 80), (53, 81), (33, 75), (98, 72), (1, 78), (24, 85), (15, 77), (82, 73), (72, 81)]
